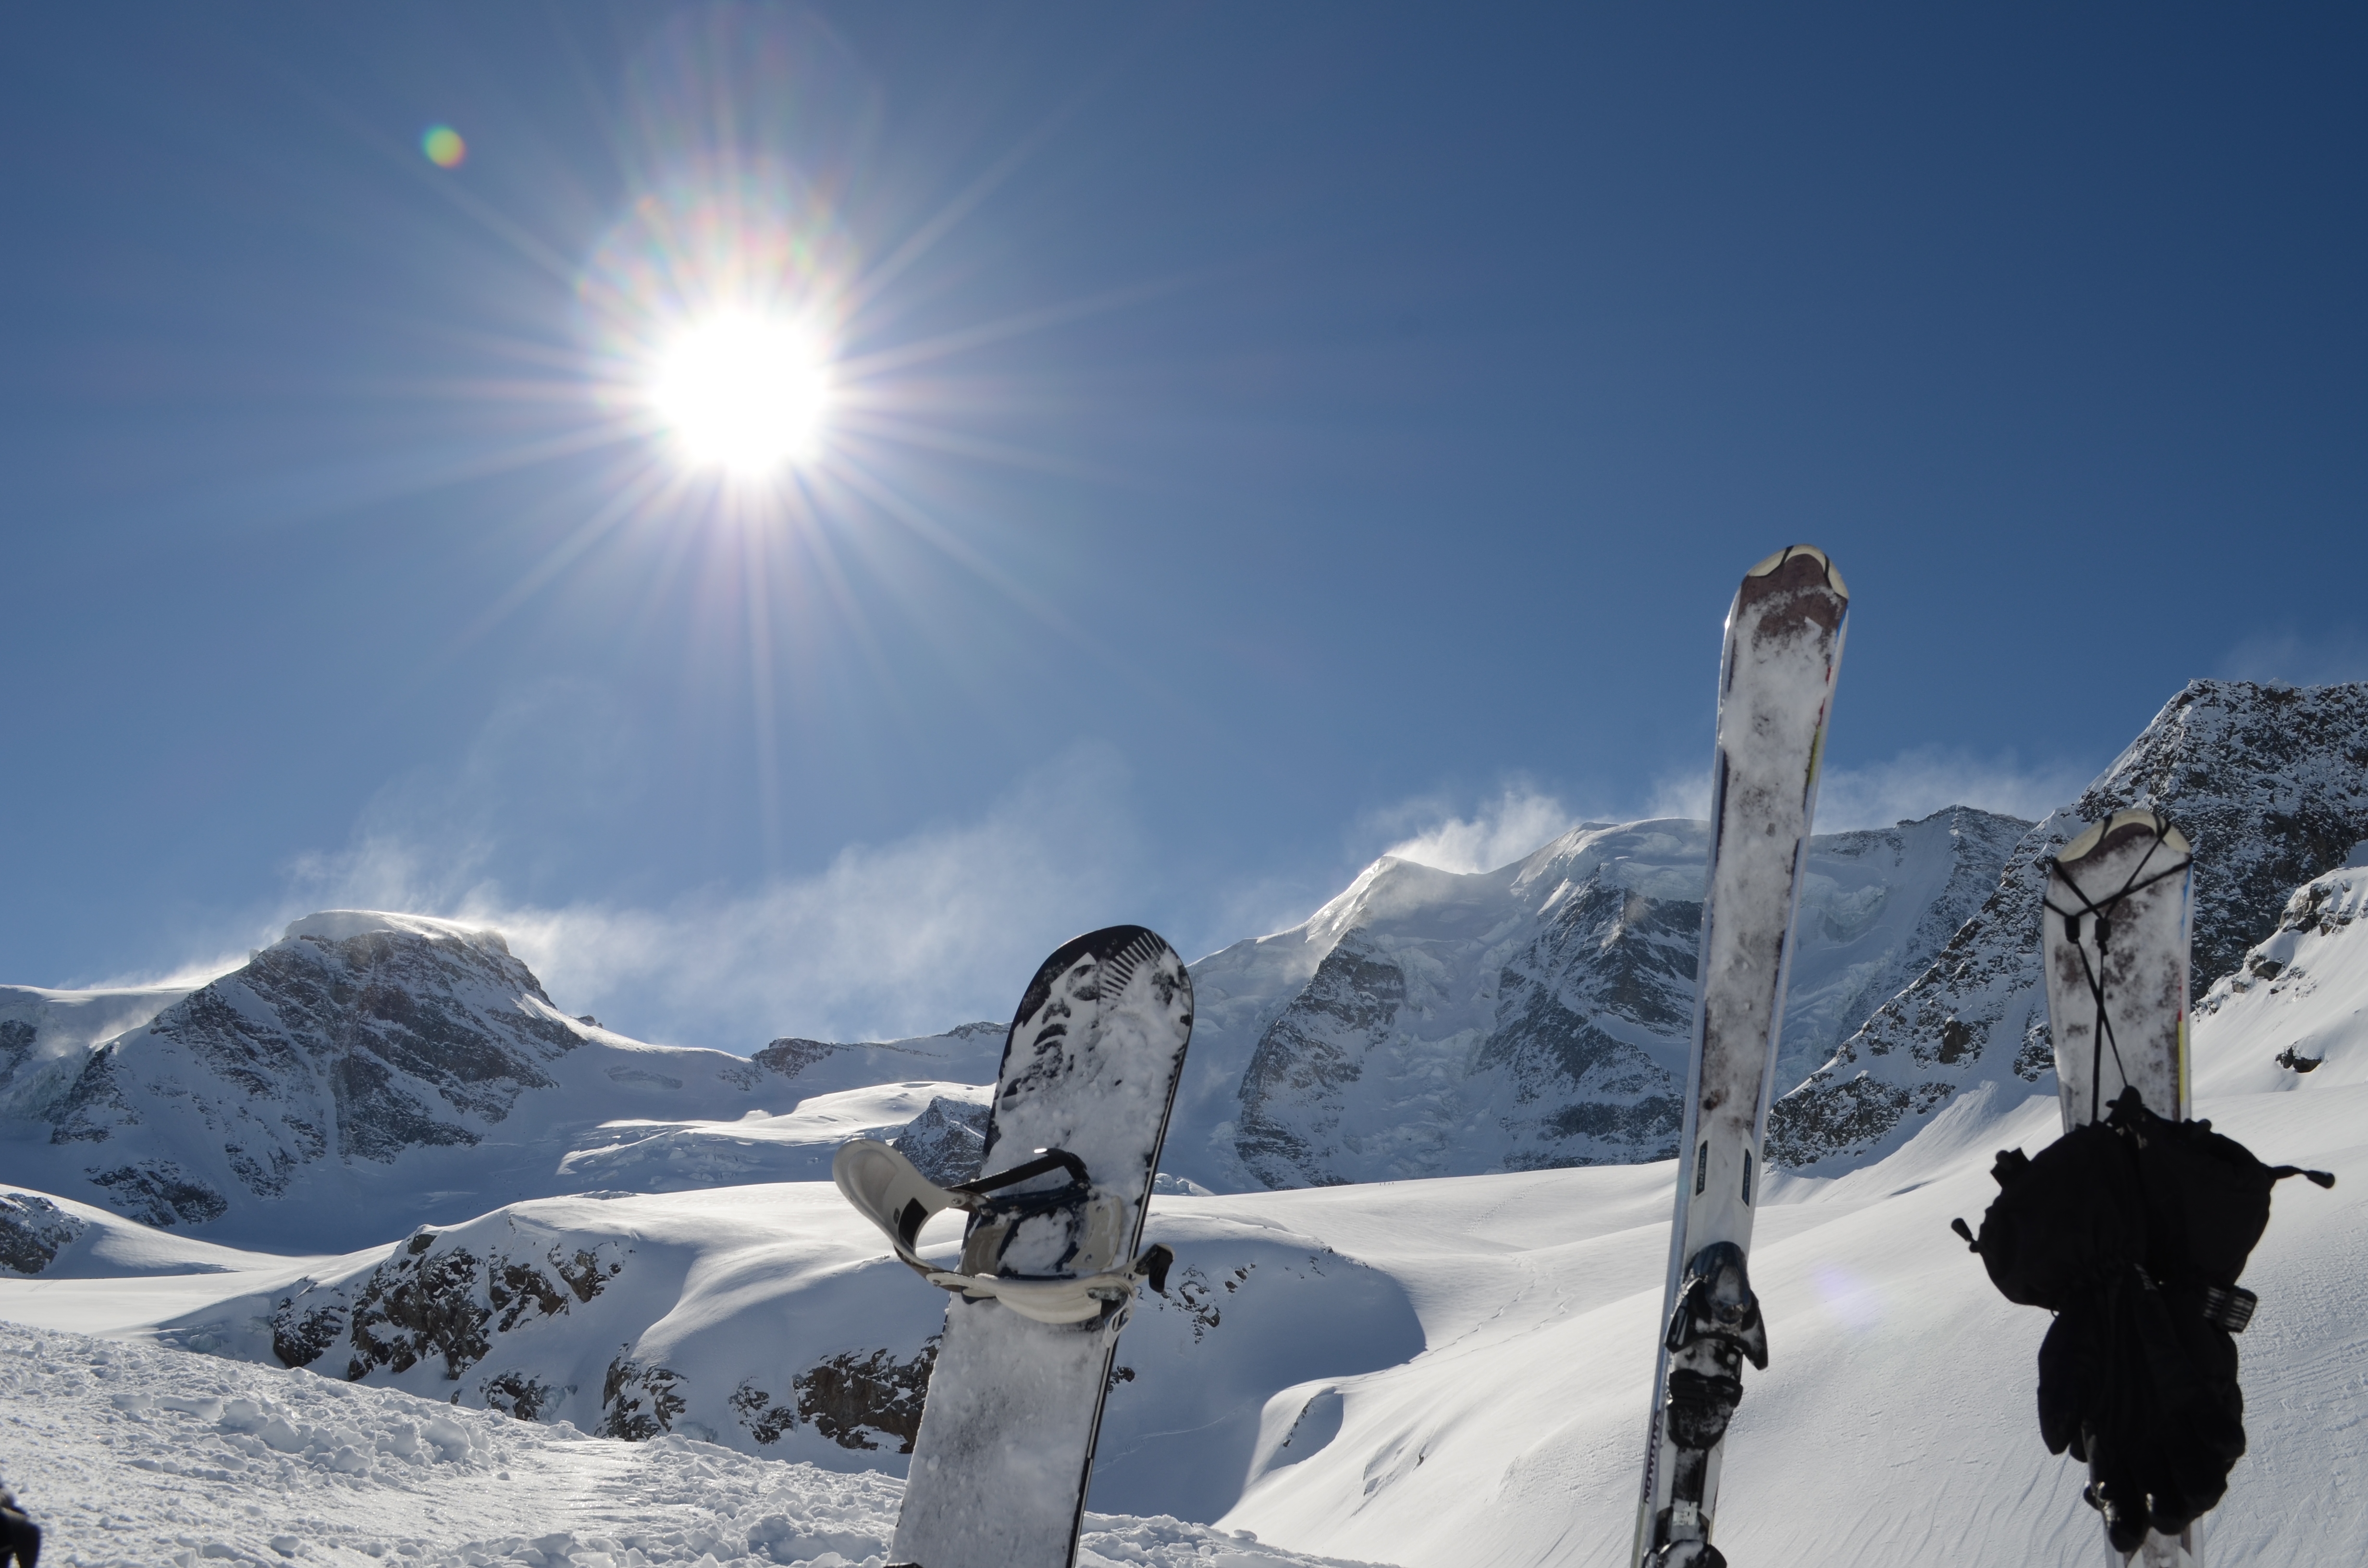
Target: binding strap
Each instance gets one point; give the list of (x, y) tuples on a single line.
[(886, 1188)]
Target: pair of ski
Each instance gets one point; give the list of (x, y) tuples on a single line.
[(2120, 898)]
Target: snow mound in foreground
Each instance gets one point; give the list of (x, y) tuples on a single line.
[(134, 1454)]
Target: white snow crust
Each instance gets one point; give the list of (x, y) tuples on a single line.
[(134, 1456)]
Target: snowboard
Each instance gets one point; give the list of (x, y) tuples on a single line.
[(1048, 1268), (1776, 683), (2120, 901)]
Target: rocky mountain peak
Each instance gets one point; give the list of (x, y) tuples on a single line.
[(2269, 783), (370, 1069), (343, 924), (1434, 1023), (358, 1036)]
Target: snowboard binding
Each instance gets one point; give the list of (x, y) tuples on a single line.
[(1087, 1282)]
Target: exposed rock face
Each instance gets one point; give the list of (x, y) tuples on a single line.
[(947, 1142), (342, 1041), (854, 1400), (31, 1230), (16, 1045), (1426, 1023), (427, 1303), (642, 1401), (2270, 785)]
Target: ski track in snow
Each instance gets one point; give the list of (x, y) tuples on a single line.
[(133, 1454)]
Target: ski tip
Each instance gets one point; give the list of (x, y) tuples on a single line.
[(1798, 552), (2118, 828)]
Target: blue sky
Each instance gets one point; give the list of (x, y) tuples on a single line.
[(1269, 435)]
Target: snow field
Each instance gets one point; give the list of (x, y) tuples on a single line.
[(1422, 1373), (134, 1455), (1895, 1420)]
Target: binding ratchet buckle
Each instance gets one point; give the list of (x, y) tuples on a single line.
[(885, 1187)]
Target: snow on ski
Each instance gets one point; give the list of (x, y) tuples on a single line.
[(1776, 682), (1048, 1266), (2121, 898)]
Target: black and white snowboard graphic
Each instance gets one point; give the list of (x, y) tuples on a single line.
[(1048, 1268), (1776, 683), (2120, 901)]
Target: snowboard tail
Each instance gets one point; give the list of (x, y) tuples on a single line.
[(1048, 1267), (1776, 681)]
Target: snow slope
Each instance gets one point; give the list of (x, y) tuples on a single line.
[(136, 1457), (45, 1036), (2295, 1013), (1895, 1422)]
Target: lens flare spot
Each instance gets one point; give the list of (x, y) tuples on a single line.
[(1855, 1302), (742, 390), (443, 146)]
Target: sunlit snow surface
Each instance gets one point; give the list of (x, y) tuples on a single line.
[(1429, 1374), (132, 1454)]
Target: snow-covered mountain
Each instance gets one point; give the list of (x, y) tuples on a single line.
[(371, 1072), (368, 1070), (1415, 1372), (1410, 1372), (1426, 1023), (2270, 785)]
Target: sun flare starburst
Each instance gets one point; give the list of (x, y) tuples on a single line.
[(742, 390)]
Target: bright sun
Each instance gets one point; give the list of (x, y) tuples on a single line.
[(744, 392)]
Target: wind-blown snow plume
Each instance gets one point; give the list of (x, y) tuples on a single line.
[(885, 941), (1498, 834)]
